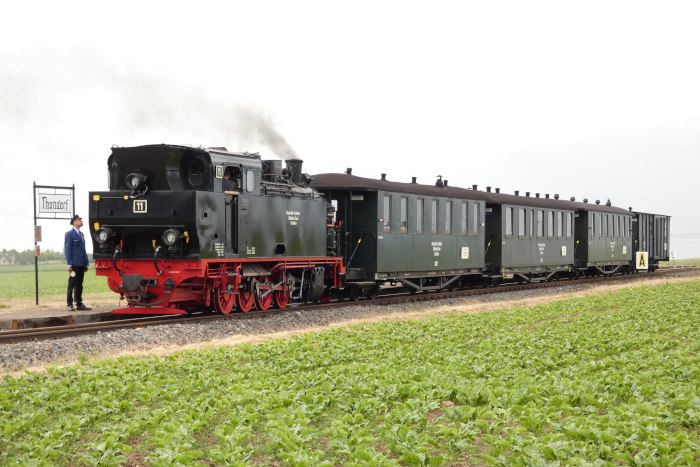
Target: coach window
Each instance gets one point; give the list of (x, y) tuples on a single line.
[(619, 226), (600, 225), (448, 217), (420, 212), (465, 212), (475, 218), (569, 218), (434, 217), (521, 222), (607, 225), (550, 224), (592, 225), (509, 221), (404, 214), (560, 224), (531, 232), (540, 223), (387, 213)]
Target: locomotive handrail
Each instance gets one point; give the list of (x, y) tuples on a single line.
[(117, 251), (155, 260)]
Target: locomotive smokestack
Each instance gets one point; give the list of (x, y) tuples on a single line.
[(294, 170)]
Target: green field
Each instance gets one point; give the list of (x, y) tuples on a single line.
[(18, 281), (609, 379), (681, 262)]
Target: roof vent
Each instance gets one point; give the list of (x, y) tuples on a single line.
[(348, 171), (527, 193), (413, 179), (439, 181), (556, 195), (498, 190), (608, 203), (573, 198), (585, 200), (537, 195), (547, 196), (597, 201), (517, 192), (445, 182), (488, 189), (630, 208), (474, 187), (383, 176)]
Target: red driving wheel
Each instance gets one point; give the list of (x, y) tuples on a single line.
[(265, 302), (223, 302), (246, 300), (281, 298)]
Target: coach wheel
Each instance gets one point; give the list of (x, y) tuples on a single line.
[(223, 302), (246, 300), (281, 298), (371, 292)]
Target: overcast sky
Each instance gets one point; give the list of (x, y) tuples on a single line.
[(588, 99)]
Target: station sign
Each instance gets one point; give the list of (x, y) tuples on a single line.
[(53, 202)]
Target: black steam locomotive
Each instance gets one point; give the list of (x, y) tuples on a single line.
[(185, 229)]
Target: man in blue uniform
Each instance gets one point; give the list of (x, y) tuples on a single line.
[(77, 260)]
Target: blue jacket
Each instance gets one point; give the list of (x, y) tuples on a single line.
[(75, 249)]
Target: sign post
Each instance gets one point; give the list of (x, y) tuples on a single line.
[(50, 202)]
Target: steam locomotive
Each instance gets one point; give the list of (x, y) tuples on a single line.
[(184, 229)]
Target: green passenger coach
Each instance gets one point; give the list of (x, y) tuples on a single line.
[(424, 237)]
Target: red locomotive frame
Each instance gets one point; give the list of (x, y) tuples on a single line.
[(215, 284)]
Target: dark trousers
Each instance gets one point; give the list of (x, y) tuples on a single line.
[(77, 284)]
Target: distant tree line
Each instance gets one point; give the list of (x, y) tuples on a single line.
[(27, 256)]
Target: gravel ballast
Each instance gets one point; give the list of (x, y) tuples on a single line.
[(34, 355)]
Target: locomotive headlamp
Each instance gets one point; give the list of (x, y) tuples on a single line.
[(171, 236), (103, 235), (135, 180)]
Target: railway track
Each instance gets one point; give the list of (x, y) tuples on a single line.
[(59, 331)]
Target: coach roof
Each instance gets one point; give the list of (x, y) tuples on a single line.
[(335, 181)]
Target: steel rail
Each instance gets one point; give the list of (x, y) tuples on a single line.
[(53, 332)]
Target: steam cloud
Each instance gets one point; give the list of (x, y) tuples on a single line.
[(144, 105)]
